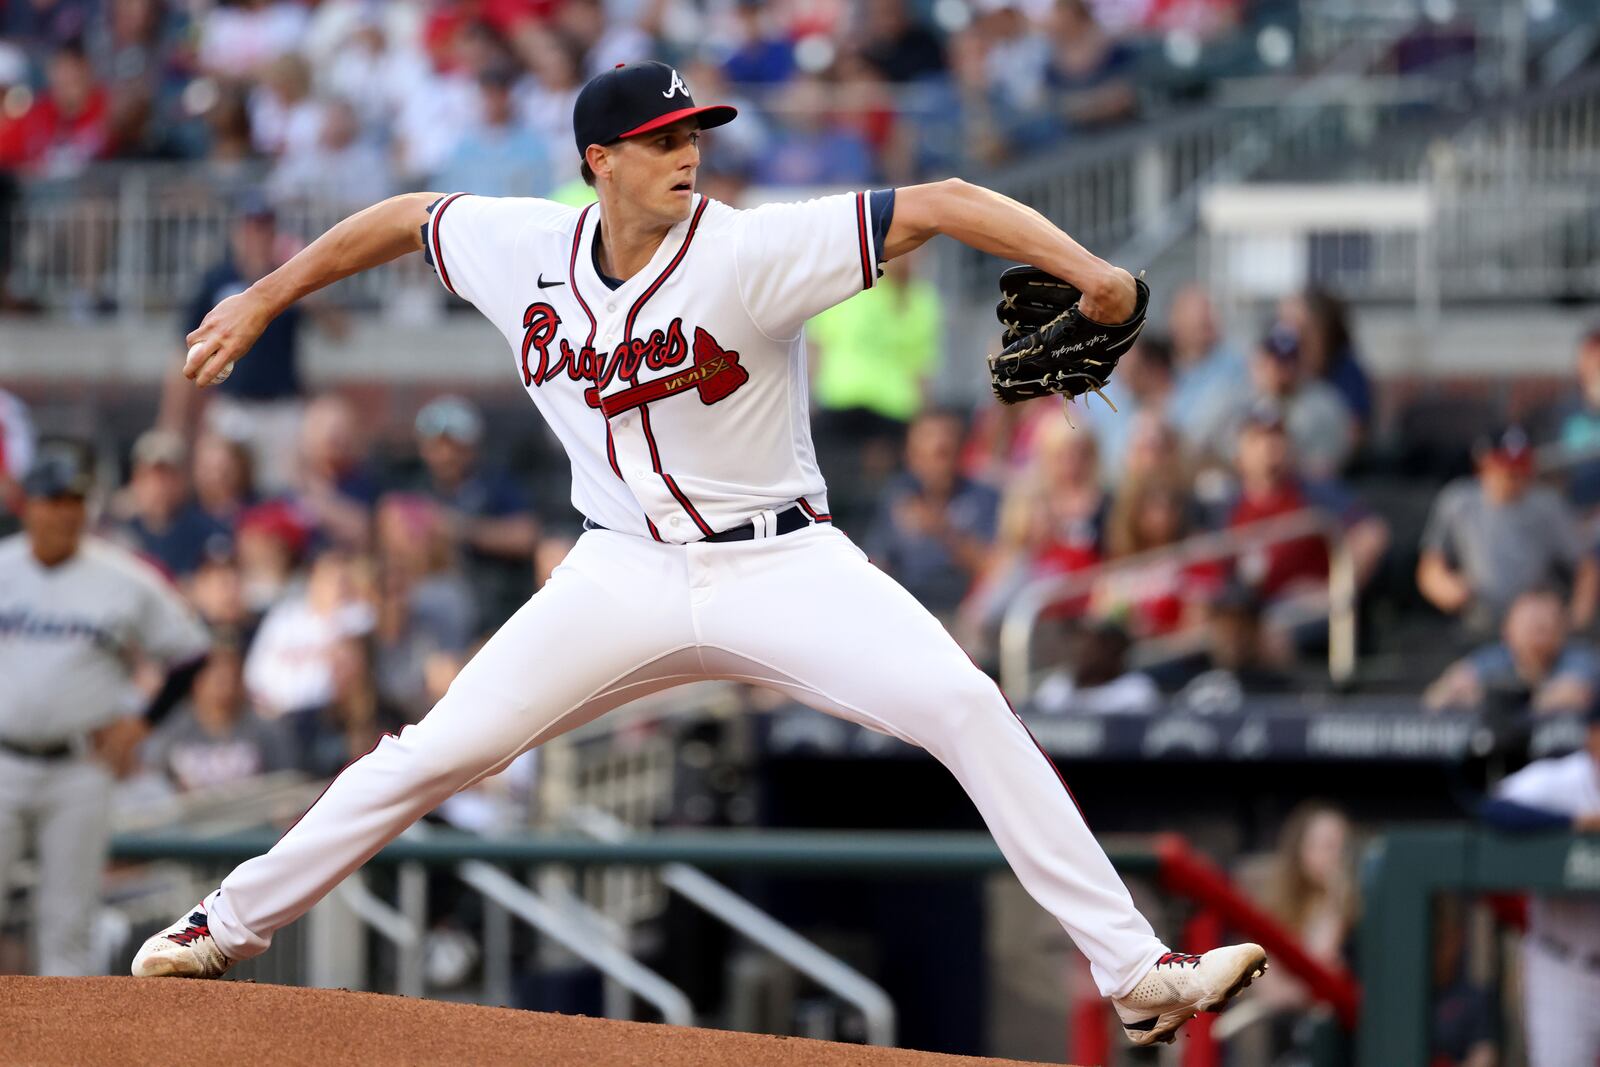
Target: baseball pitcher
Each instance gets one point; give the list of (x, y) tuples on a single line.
[(660, 335)]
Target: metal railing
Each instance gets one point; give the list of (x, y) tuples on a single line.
[(744, 918), (1025, 609)]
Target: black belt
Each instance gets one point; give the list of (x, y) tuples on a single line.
[(1567, 954), (55, 751), (788, 521)]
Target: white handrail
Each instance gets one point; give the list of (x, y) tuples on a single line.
[(391, 924), (720, 902), (609, 960), (1025, 608)]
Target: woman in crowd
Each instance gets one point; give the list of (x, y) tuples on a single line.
[(1160, 596), (1311, 889), (1327, 349)]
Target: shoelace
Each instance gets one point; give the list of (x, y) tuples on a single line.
[(1178, 959), (199, 926)]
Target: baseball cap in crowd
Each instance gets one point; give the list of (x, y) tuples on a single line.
[(160, 448), (57, 472), (1509, 448), (252, 204), (635, 98), (452, 417), (1265, 415), (1282, 343)]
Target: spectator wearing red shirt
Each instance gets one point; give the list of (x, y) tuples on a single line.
[(68, 126), (1052, 521), (1159, 596), (1292, 576)]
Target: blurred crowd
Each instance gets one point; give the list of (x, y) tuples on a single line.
[(1193, 533), (349, 100)]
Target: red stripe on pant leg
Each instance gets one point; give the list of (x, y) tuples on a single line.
[(335, 778), (1059, 776)]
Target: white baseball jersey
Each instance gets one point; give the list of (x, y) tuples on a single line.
[(680, 397), (68, 632), (1568, 786)]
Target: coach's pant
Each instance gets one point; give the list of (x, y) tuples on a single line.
[(65, 808), (1561, 1001), (804, 613)]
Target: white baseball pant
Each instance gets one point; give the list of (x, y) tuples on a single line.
[(1561, 1009), (65, 806), (804, 613)]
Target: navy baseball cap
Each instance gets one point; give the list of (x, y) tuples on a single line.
[(635, 98), (58, 472)]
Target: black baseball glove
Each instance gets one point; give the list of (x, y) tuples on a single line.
[(1050, 347)]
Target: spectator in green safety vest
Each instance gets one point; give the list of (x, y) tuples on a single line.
[(871, 357)]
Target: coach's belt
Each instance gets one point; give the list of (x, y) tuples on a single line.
[(1567, 954), (786, 521), (54, 750)]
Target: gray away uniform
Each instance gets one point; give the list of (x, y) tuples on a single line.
[(68, 637)]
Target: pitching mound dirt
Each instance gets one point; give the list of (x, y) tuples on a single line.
[(75, 1022)]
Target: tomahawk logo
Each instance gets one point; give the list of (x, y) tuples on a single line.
[(676, 86)]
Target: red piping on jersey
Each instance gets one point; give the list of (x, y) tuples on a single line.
[(672, 486), (644, 410), (861, 234), (816, 516), (572, 280), (638, 304), (438, 249)]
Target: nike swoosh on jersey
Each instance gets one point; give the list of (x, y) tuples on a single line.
[(545, 285)]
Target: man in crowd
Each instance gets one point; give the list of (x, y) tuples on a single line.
[(163, 524), (490, 521), (1535, 664), (76, 614), (1208, 369), (1561, 951), (1496, 535), (262, 401), (873, 355), (934, 527), (1316, 418), (1295, 572)]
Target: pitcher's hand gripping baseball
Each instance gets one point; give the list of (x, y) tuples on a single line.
[(223, 337), (1055, 341)]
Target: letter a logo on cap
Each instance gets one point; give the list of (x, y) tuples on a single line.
[(676, 86)]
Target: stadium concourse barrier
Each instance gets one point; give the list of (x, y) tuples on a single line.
[(1404, 870), (1167, 859)]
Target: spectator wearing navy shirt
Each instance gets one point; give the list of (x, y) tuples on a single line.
[(163, 524), (935, 527), (491, 523), (261, 402)]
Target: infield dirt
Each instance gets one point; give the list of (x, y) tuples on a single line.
[(46, 1022)]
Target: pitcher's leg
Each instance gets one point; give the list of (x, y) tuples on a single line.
[(846, 639), (571, 653)]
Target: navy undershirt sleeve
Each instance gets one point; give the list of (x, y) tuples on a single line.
[(880, 205), (427, 245)]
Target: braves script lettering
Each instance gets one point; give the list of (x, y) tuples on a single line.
[(715, 373)]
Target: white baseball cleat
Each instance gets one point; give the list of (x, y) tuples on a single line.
[(1181, 986), (185, 949)]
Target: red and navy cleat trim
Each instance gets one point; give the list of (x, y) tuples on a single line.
[(199, 926)]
